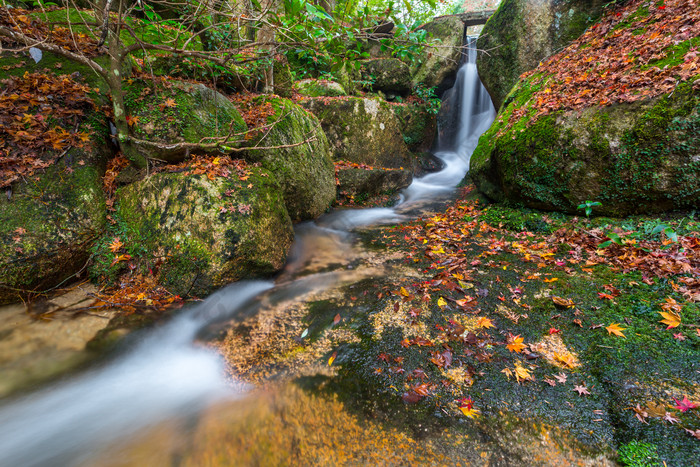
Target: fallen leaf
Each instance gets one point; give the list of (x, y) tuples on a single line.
[(671, 318), (685, 404), (516, 344), (582, 390), (615, 329), (332, 359)]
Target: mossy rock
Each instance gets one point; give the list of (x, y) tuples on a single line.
[(389, 75), (418, 126), (440, 60), (209, 233), (49, 222), (319, 88), (642, 157), (304, 169), (16, 64), (180, 112), (362, 130), (521, 33), (372, 182)]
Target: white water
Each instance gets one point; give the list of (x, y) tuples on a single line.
[(165, 375)]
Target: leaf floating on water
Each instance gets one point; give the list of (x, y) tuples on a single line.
[(332, 359)]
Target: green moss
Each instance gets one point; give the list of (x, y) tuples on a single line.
[(305, 170), (674, 55), (205, 234)]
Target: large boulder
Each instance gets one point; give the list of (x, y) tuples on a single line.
[(441, 58), (523, 32), (362, 131), (359, 182), (388, 75), (572, 131), (180, 112), (208, 233), (638, 157), (298, 154), (50, 221)]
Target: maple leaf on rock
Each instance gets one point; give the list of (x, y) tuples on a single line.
[(615, 329), (671, 319), (684, 405), (515, 344)]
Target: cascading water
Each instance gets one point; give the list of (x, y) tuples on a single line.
[(165, 375)]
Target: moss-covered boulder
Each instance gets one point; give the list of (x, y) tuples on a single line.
[(523, 32), (388, 75), (362, 131), (639, 157), (49, 221), (299, 156), (180, 112), (439, 62), (418, 123), (209, 233), (319, 88)]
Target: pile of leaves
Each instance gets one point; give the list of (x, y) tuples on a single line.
[(254, 113), (39, 119), (615, 61), (212, 167), (23, 21), (135, 292)]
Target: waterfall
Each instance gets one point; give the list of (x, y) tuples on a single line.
[(166, 375)]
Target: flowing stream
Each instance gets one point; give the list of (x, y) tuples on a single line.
[(165, 374)]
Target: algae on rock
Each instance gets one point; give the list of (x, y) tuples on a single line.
[(209, 233), (299, 158)]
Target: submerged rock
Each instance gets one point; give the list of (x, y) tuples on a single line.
[(362, 131), (523, 32), (209, 233), (301, 158), (181, 112)]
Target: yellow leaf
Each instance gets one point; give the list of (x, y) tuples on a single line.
[(516, 345), (565, 358), (441, 302), (216, 161), (672, 319), (332, 359), (470, 412), (615, 329), (563, 302), (553, 279), (522, 373), (404, 292), (485, 323), (115, 245)]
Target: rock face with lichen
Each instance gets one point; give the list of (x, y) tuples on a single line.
[(181, 112), (362, 130), (388, 75), (209, 233), (523, 32), (318, 88), (300, 160), (439, 62), (49, 222)]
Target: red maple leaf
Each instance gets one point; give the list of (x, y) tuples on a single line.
[(685, 404)]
